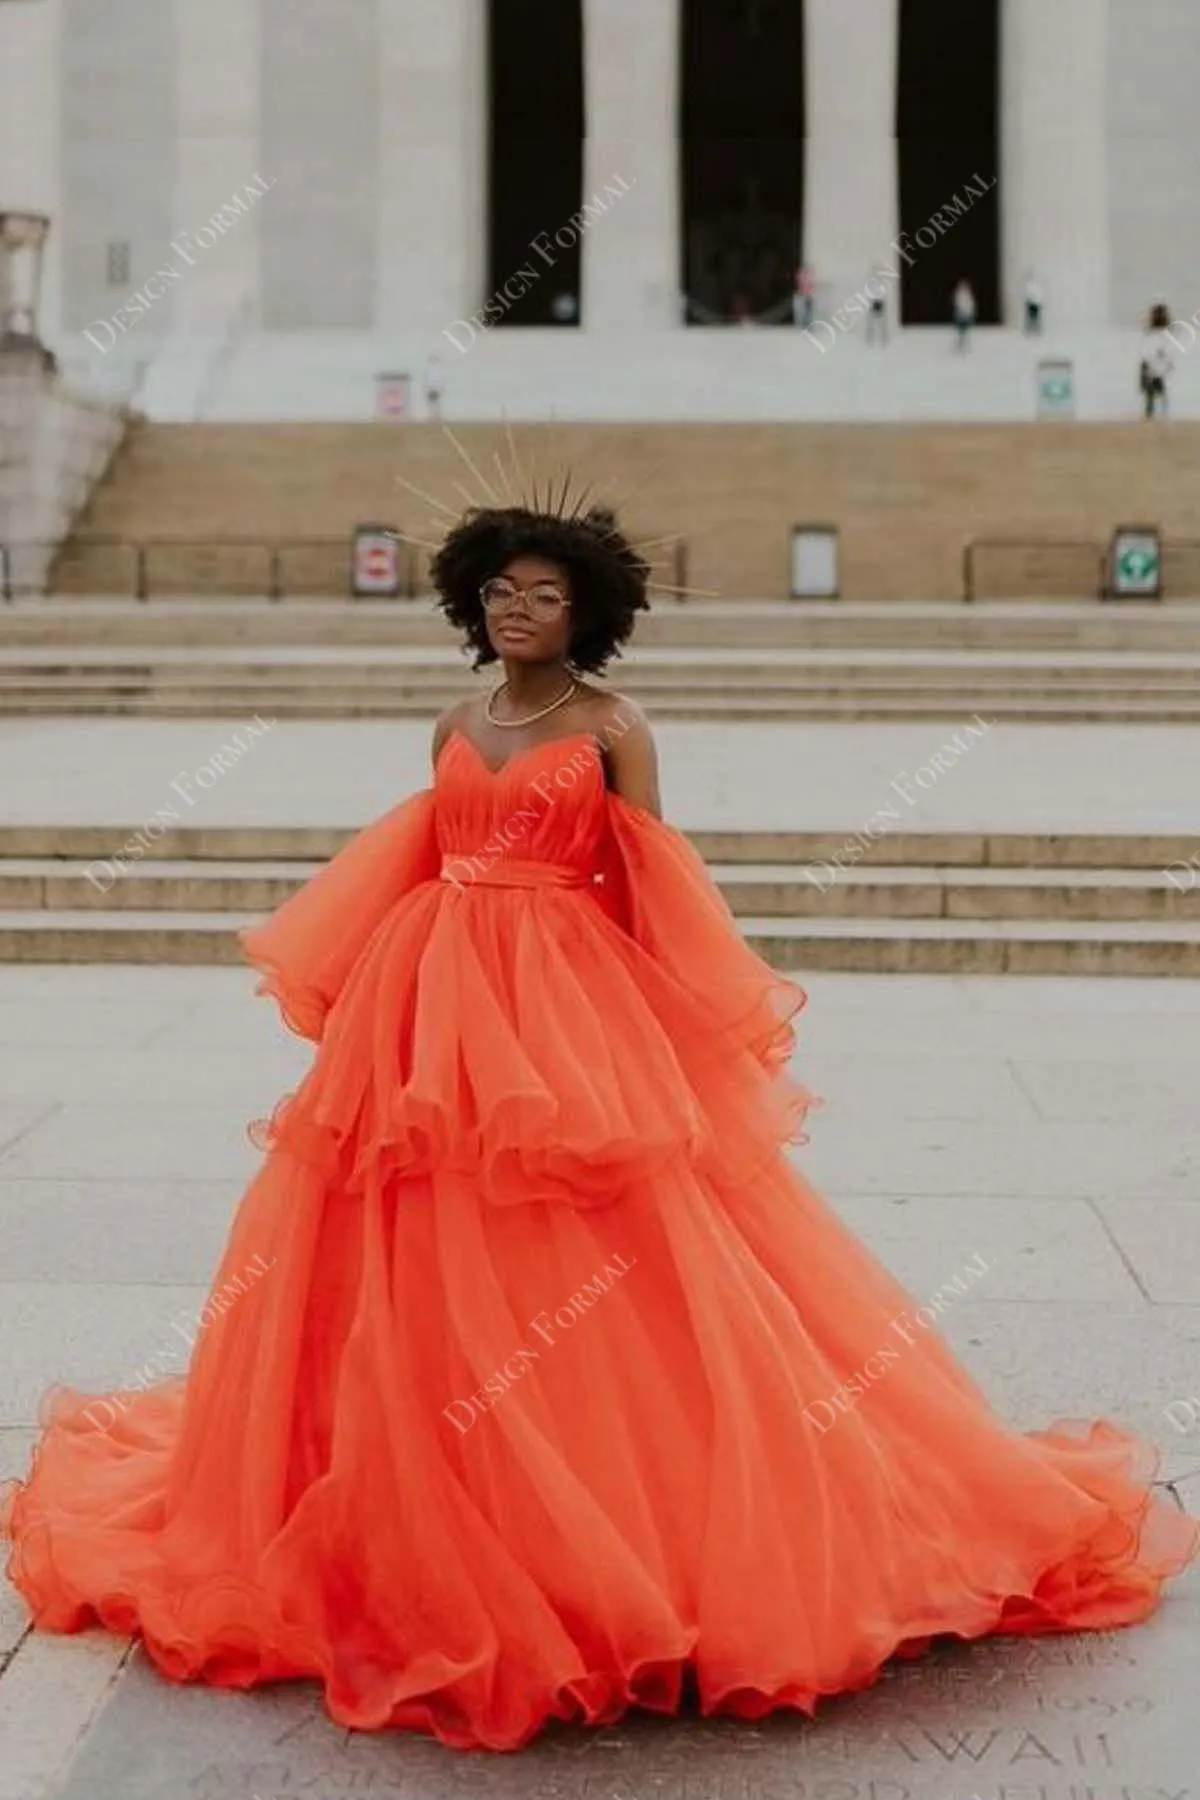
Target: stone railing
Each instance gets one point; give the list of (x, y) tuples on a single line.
[(55, 444)]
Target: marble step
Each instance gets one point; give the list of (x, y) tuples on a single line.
[(912, 946), (1018, 706), (784, 668), (950, 851), (818, 890), (216, 619)]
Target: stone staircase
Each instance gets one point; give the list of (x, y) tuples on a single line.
[(56, 442), (223, 659), (99, 621), (948, 903)]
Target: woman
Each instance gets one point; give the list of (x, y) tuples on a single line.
[(560, 1391)]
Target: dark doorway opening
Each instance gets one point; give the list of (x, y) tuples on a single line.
[(742, 158), (535, 161), (948, 124)]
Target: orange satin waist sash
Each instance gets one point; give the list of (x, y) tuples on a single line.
[(483, 870)]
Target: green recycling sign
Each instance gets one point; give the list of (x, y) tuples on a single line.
[(1136, 563)]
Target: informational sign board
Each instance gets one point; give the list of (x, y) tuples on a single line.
[(376, 562), (815, 562), (1055, 389), (1135, 563), (393, 395)]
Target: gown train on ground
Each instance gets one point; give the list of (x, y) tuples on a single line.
[(534, 1375)]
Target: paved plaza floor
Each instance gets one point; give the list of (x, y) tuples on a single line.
[(1140, 778), (1048, 1127)]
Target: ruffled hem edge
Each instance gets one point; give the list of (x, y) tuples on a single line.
[(595, 1697)]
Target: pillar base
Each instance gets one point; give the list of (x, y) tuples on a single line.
[(23, 355)]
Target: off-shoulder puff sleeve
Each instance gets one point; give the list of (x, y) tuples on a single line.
[(658, 889), (307, 948)]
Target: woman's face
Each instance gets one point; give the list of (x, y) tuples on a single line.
[(527, 608)]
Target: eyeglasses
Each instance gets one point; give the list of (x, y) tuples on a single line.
[(544, 600)]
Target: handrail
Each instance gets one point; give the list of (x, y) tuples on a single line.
[(974, 545), (276, 555), (141, 584), (1170, 548)]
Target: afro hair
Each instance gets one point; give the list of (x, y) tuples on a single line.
[(608, 577)]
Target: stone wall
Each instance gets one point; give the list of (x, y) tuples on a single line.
[(907, 498)]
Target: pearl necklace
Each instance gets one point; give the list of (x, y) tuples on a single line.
[(568, 693)]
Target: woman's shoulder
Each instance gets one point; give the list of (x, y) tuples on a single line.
[(609, 715), (455, 718), (622, 732)]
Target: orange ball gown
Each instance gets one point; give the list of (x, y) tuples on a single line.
[(526, 1414)]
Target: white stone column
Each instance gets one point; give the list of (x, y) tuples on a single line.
[(631, 252), (218, 109), (852, 197), (30, 163), (432, 168), (1054, 167)]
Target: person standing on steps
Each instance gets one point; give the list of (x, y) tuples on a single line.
[(435, 386), (964, 311), (1157, 364), (1034, 301), (804, 298), (877, 312)]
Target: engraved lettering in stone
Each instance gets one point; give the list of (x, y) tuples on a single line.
[(959, 1746), (1031, 1749)]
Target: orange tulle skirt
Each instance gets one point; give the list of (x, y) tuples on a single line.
[(536, 1382)]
